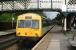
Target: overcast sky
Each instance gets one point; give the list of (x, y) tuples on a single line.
[(50, 14)]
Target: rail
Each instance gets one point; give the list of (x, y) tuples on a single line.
[(7, 41)]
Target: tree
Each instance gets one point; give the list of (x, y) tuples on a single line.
[(5, 17)]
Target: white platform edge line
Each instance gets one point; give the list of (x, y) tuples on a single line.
[(39, 42)]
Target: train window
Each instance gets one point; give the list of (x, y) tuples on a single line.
[(21, 24), (35, 24), (28, 23), (24, 23)]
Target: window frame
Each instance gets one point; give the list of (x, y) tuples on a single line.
[(31, 26)]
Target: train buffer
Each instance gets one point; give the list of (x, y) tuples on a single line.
[(52, 41), (7, 32)]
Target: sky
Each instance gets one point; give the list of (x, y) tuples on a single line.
[(50, 14)]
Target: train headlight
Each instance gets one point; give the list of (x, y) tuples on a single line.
[(25, 33), (19, 33), (36, 34)]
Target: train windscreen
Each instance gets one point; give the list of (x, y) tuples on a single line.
[(28, 24), (35, 24), (21, 24)]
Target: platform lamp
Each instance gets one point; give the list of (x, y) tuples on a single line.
[(12, 19)]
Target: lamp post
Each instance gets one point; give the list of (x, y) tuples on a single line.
[(64, 9), (12, 20)]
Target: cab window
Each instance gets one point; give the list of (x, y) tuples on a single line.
[(28, 23), (21, 24), (35, 24)]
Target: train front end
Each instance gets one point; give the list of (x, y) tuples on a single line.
[(29, 25)]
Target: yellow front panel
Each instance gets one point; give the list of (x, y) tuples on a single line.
[(29, 32)]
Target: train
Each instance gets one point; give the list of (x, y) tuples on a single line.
[(31, 25)]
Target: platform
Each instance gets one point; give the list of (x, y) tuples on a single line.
[(7, 32), (54, 40), (72, 37)]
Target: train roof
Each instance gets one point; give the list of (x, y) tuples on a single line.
[(27, 14), (32, 14)]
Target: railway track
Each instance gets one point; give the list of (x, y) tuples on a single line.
[(11, 42), (7, 40)]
